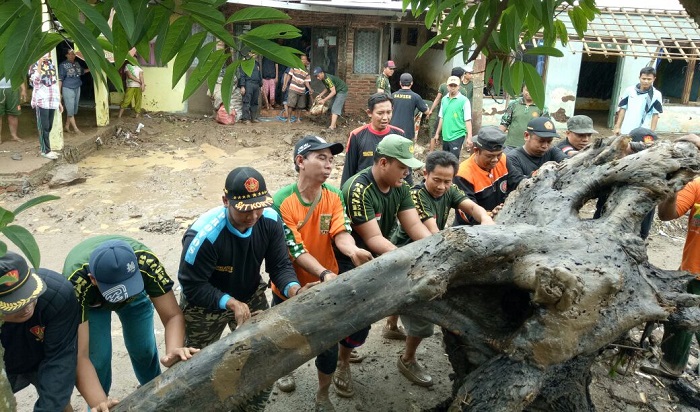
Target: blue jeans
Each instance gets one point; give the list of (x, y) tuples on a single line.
[(139, 339)]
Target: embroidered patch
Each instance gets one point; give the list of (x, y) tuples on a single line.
[(38, 331), (325, 224)]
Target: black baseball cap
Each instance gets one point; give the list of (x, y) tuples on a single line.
[(246, 190), (490, 138), (313, 143), (644, 135), (19, 285), (406, 79), (542, 127)]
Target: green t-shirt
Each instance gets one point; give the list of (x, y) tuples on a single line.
[(330, 80), (365, 202), (455, 111), (429, 207), (383, 83), (516, 117), (155, 280)]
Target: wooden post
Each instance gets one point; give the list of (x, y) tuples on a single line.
[(478, 99), (689, 74)]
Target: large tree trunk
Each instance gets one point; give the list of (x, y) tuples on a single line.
[(525, 304)]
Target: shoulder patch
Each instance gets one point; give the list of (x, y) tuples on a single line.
[(208, 226), (271, 213)]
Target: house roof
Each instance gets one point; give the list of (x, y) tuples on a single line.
[(668, 34), (392, 8)]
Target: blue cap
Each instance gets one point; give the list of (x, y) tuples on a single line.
[(318, 70), (115, 267)]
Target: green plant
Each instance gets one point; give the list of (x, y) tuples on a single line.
[(17, 234)]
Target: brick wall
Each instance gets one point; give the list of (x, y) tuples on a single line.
[(360, 86)]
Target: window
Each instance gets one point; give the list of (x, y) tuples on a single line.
[(412, 38), (366, 56), (397, 35)]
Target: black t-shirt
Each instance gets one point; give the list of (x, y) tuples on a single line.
[(268, 68), (360, 148), (406, 101), (522, 165)]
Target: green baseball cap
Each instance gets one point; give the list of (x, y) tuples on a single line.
[(399, 148), (580, 124)]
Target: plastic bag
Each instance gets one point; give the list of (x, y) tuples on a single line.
[(223, 117)]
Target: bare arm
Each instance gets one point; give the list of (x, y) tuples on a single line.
[(86, 378), (503, 128), (431, 225), (654, 121), (410, 222), (469, 142), (346, 244), (434, 141), (331, 93), (618, 123), (470, 207), (667, 208), (174, 322), (437, 100), (373, 238), (309, 263)]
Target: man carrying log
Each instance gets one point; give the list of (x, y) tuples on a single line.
[(377, 197), (314, 217), (222, 253)]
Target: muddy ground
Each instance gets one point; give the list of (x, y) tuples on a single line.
[(152, 185)]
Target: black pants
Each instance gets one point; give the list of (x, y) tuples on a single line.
[(44, 122), (250, 101)]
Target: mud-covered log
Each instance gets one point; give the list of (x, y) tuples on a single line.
[(525, 305)]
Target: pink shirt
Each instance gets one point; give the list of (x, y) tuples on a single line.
[(45, 83)]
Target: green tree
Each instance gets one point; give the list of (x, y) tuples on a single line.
[(499, 29), (135, 24), (17, 234)]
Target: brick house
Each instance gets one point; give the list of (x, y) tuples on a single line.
[(352, 39)]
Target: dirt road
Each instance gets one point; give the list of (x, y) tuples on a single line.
[(153, 187)]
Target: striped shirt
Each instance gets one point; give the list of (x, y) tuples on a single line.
[(300, 80)]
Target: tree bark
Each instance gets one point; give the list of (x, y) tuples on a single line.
[(527, 303)]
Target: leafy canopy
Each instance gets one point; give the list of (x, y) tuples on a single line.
[(137, 23), (499, 29)]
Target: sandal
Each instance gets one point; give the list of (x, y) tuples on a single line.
[(324, 405), (356, 357), (342, 380)]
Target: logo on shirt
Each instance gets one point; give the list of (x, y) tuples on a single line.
[(368, 154), (38, 331), (695, 218), (228, 269), (535, 114), (503, 186), (325, 224), (378, 216)]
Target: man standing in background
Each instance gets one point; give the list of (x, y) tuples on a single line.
[(270, 72), (406, 101), (10, 105), (383, 84), (639, 104)]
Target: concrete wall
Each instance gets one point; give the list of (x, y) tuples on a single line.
[(159, 94), (677, 118), (561, 83)]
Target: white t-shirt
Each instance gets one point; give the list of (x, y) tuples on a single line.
[(135, 71), (639, 108)]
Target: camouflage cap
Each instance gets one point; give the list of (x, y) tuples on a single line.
[(580, 124)]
